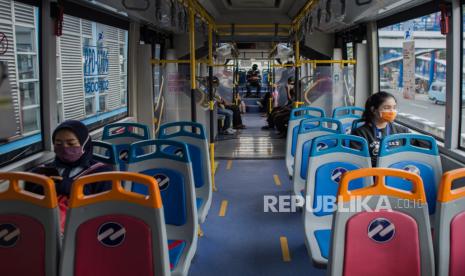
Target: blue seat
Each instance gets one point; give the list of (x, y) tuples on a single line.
[(347, 114), (308, 130), (194, 135), (297, 115), (105, 153), (121, 135), (357, 123), (326, 167), (176, 248), (323, 238), (173, 172), (402, 151)]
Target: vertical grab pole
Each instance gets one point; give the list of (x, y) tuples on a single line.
[(212, 105), (297, 70), (192, 59)]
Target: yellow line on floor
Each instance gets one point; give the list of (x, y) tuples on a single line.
[(229, 165), (224, 206), (285, 249), (277, 181), (216, 167)]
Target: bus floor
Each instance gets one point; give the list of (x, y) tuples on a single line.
[(240, 238), (252, 142)]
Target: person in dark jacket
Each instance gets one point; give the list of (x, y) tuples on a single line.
[(379, 115), (73, 159)]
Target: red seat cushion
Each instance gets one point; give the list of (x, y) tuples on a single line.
[(379, 255), (104, 250), (21, 238)]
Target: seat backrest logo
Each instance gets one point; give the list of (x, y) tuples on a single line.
[(111, 234), (9, 235), (381, 230), (163, 181), (124, 155), (412, 169), (321, 146), (336, 174)]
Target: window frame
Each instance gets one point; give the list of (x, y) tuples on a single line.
[(462, 79)]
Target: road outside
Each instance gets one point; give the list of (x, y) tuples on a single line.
[(421, 111)]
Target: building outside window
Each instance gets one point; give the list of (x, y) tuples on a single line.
[(19, 23), (93, 59)]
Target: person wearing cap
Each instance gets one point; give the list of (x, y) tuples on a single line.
[(253, 79), (73, 158)]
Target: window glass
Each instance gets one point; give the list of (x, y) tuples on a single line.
[(412, 66), (20, 134), (93, 75)]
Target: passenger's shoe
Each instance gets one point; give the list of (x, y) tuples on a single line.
[(260, 104), (240, 127), (230, 131)]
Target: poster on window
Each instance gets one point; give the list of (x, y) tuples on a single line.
[(96, 64), (408, 52)]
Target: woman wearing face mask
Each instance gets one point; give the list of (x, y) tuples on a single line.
[(73, 158), (380, 113)]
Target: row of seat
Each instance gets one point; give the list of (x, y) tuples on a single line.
[(346, 117), (118, 232), (322, 155), (396, 239), (343, 153), (179, 161), (115, 149)]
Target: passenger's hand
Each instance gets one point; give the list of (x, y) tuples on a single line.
[(56, 178)]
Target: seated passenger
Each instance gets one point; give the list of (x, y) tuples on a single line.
[(236, 118), (253, 80), (73, 158), (228, 115), (279, 116), (380, 113)]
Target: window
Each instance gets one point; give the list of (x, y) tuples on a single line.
[(412, 66), (20, 134), (93, 75)]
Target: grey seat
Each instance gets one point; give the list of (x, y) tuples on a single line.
[(391, 237), (29, 226), (116, 232)]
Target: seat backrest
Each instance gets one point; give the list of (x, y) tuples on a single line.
[(121, 135), (402, 151), (194, 135), (297, 115), (450, 225), (357, 123), (116, 232), (347, 114), (341, 154), (105, 153), (387, 234), (308, 130), (173, 172), (29, 226)]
